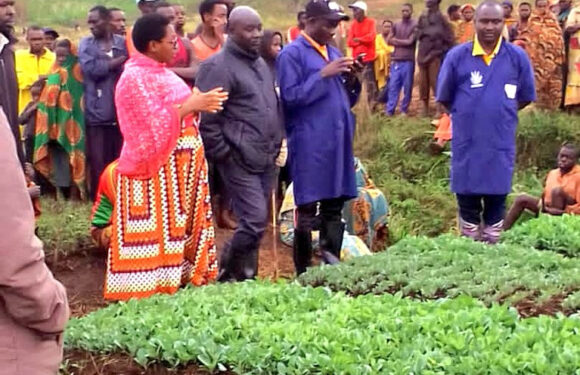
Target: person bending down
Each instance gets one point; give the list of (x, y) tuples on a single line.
[(561, 194)]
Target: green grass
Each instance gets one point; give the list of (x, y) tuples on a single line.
[(263, 328), (64, 227)]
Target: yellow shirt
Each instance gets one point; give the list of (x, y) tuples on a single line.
[(479, 51), (321, 49), (28, 68), (382, 63)]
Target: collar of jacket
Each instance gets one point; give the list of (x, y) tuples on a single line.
[(237, 50)]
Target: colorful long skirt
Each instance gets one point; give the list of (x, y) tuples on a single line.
[(163, 236)]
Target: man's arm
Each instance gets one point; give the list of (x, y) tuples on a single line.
[(29, 292), (350, 38), (188, 73), (296, 89), (526, 92), (211, 76), (370, 33), (446, 83), (94, 64)]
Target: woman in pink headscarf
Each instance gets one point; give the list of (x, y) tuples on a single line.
[(162, 233)]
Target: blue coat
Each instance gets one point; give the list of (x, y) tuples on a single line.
[(319, 124), (484, 104)]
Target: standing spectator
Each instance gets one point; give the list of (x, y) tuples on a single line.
[(465, 30), (34, 308), (8, 79), (318, 89), (572, 30), (209, 41), (294, 31), (60, 132), (524, 12), (545, 46), (184, 63), (565, 9), (244, 140), (508, 9), (179, 20), (145, 7), (435, 37), (28, 119), (361, 40), (214, 18), (32, 64), (476, 79), (454, 16), (101, 56), (383, 51), (403, 37), (118, 21), (50, 37)]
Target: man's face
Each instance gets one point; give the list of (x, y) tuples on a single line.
[(247, 33), (542, 6), (507, 11), (525, 11), (218, 18), (35, 39), (179, 15), (406, 12), (49, 40), (431, 4), (147, 7), (566, 159), (489, 23), (7, 16), (467, 14), (565, 4), (455, 16), (302, 20), (118, 22), (358, 14), (323, 30), (387, 26), (169, 13), (98, 26)]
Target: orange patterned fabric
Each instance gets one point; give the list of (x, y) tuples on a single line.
[(163, 236), (545, 46)]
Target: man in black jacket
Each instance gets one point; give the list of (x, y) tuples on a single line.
[(244, 140), (8, 80)]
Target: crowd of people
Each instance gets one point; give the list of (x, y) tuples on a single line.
[(167, 130)]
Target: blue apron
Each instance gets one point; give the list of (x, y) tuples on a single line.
[(484, 104)]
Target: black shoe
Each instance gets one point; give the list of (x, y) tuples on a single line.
[(239, 263), (302, 250), (331, 235)]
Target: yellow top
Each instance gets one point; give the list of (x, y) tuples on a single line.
[(382, 61), (28, 68), (321, 49), (479, 51)]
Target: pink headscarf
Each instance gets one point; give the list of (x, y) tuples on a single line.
[(145, 98)]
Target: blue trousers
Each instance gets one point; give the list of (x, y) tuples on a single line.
[(400, 77)]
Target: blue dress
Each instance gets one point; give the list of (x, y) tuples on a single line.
[(319, 124), (484, 104)]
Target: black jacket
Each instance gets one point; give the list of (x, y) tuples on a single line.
[(249, 129), (9, 93)]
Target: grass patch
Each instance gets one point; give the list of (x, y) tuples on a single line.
[(262, 328), (64, 227), (448, 266)]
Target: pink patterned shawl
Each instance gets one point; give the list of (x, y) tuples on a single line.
[(145, 98)]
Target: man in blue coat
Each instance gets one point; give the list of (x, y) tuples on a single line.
[(318, 88), (483, 84)]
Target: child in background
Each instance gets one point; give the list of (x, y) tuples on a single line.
[(27, 119)]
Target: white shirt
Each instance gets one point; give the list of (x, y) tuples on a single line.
[(3, 42)]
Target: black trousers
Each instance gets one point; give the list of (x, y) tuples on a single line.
[(104, 144), (473, 207), (330, 211)]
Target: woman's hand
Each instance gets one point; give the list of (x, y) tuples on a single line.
[(211, 101)]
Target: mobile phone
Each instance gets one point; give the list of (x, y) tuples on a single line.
[(361, 57)]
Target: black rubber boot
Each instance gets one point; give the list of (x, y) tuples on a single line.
[(302, 250), (331, 235), (239, 260)]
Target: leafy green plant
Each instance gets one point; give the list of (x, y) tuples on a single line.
[(556, 233), (448, 266), (262, 328)]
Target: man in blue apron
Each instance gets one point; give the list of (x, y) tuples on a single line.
[(483, 84), (318, 88)]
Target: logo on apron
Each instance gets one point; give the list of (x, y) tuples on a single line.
[(476, 80)]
